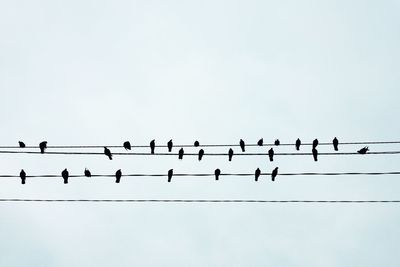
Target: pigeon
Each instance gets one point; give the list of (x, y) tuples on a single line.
[(315, 154), (87, 173), (257, 174), (260, 142), (127, 145), (217, 173), (242, 145), (43, 146), (363, 150), (274, 173), (271, 154), (169, 145), (170, 173), (107, 152), (196, 143), (180, 154), (152, 146), (277, 142), (335, 143), (21, 144), (201, 154), (118, 176), (315, 143), (22, 174), (298, 144), (65, 175), (230, 154)]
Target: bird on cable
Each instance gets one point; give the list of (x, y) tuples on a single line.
[(107, 152), (201, 154), (335, 143), (169, 145), (257, 174), (65, 175), (118, 176), (315, 143), (43, 146), (152, 146), (274, 173), (21, 144), (87, 173), (277, 142), (180, 154), (260, 142), (363, 150), (242, 145), (271, 154), (170, 173), (22, 174), (298, 144), (127, 145), (315, 154), (196, 143), (230, 154), (217, 173)]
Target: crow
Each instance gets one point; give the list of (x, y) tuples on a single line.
[(260, 142), (169, 145), (298, 144), (170, 173), (118, 176), (315, 143), (107, 152), (274, 173), (271, 154), (363, 150), (180, 154), (315, 154), (65, 175), (152, 146), (201, 154), (196, 143), (230, 154), (22, 174), (277, 142), (87, 173), (43, 146), (242, 145), (21, 144), (335, 143), (127, 145), (257, 174), (217, 172)]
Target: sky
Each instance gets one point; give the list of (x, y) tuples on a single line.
[(103, 72)]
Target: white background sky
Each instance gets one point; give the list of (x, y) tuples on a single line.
[(96, 72)]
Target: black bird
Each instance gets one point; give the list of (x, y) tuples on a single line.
[(201, 154), (298, 144), (22, 174), (257, 174), (170, 173), (315, 143), (118, 176), (315, 154), (180, 154), (271, 154), (196, 143), (260, 142), (107, 152), (152, 146), (87, 173), (127, 145), (335, 143), (21, 144), (169, 145), (363, 150), (277, 142), (217, 172), (230, 154), (43, 146), (65, 175), (242, 145), (274, 173)]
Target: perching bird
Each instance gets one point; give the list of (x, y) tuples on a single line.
[(118, 176), (180, 154), (271, 154), (107, 152), (315, 143), (277, 142), (21, 144), (87, 173), (127, 145), (217, 172), (242, 145), (335, 143), (65, 176), (260, 142), (196, 143), (274, 173), (315, 154), (201, 154), (152, 146), (169, 145), (22, 174), (298, 144), (43, 146), (230, 154), (363, 150), (257, 174), (170, 173)]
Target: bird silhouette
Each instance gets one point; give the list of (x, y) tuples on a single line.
[(298, 144), (217, 173), (315, 143), (43, 146), (230, 154), (107, 152), (260, 142), (118, 176), (127, 145), (87, 173), (180, 154), (152, 146), (274, 173), (169, 145), (201, 154), (315, 154), (271, 154), (196, 143), (22, 174), (170, 173), (335, 143), (65, 175), (257, 174), (277, 142), (21, 144), (242, 145), (363, 150)]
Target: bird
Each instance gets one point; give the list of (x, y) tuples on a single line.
[(170, 173), (22, 174), (201, 154), (217, 173), (277, 142), (363, 150), (43, 146), (65, 175), (169, 145), (21, 144), (260, 142), (230, 154), (271, 154), (87, 173), (298, 144), (242, 145), (127, 145), (118, 176), (152, 146), (196, 143), (274, 173), (335, 143), (180, 154), (107, 152), (315, 154), (315, 143), (257, 174)]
